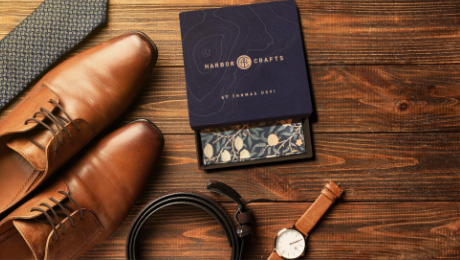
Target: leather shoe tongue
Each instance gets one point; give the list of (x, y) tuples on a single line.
[(35, 234)]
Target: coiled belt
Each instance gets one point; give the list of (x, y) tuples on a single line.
[(236, 236)]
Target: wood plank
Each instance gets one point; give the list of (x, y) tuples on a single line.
[(347, 99), (371, 167), (335, 32), (348, 231)]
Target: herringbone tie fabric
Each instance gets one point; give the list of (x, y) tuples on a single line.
[(54, 28)]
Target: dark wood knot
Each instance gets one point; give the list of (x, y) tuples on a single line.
[(402, 105)]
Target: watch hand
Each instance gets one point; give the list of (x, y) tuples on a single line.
[(295, 242)]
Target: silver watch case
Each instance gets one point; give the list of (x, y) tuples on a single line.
[(284, 230)]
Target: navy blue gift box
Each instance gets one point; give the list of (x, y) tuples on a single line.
[(244, 64)]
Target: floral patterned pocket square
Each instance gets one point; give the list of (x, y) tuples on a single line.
[(252, 142)]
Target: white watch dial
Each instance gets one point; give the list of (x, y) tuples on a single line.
[(290, 243)]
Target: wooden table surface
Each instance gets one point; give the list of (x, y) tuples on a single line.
[(386, 87)]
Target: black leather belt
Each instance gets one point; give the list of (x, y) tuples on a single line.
[(236, 236)]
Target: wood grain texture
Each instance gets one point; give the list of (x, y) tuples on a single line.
[(371, 167), (386, 88)]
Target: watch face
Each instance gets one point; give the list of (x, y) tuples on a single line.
[(290, 243)]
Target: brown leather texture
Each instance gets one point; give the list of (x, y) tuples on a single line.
[(104, 183), (75, 100), (329, 194)]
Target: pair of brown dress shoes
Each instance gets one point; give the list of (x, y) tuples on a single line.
[(50, 213)]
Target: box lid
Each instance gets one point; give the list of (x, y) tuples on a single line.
[(244, 64)]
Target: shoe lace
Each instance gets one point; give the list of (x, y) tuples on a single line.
[(59, 122), (66, 210)]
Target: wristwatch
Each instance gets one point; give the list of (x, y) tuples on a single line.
[(291, 242)]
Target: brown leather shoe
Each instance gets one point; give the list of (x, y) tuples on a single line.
[(86, 204), (65, 109)]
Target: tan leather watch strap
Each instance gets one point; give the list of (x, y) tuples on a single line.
[(274, 256), (328, 196)]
